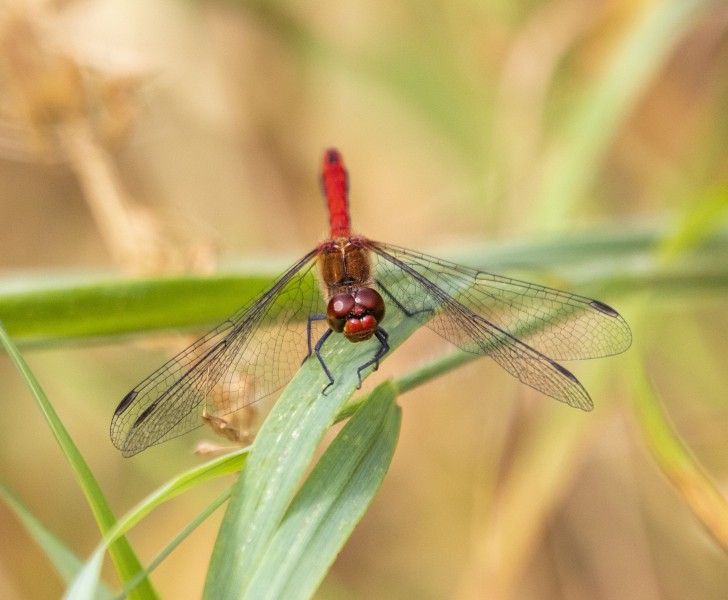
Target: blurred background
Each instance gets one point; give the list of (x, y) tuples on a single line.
[(147, 137)]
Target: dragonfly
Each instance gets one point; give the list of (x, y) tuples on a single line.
[(344, 286)]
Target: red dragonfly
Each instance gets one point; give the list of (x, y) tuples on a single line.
[(258, 348)]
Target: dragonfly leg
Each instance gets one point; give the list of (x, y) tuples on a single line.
[(312, 318), (382, 336), (317, 350)]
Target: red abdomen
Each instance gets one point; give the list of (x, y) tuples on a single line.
[(335, 182)]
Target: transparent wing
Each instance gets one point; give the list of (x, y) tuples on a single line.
[(249, 356), (522, 326)]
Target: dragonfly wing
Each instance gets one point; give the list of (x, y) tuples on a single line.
[(530, 366), (248, 357), (483, 314), (558, 324)]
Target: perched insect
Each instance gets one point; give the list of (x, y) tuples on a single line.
[(257, 349)]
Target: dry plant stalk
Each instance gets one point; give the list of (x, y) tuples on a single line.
[(76, 112)]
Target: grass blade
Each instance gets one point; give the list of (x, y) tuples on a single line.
[(101, 308), (332, 500), (178, 539), (36, 312), (217, 467), (125, 561), (675, 460), (64, 560), (588, 134), (281, 454)]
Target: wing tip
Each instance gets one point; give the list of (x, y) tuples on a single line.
[(581, 398)]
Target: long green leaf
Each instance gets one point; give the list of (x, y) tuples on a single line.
[(83, 587), (281, 454), (117, 306), (179, 538), (39, 312), (126, 562), (675, 459), (332, 500), (64, 560), (594, 124), (669, 451)]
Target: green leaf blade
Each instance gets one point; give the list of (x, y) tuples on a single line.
[(111, 307), (331, 502), (125, 560), (281, 455), (66, 563)]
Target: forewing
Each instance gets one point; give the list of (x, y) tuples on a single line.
[(248, 357), (558, 324)]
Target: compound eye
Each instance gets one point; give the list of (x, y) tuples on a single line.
[(338, 309), (340, 305), (371, 301)]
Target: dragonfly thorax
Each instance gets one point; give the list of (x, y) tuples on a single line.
[(344, 266)]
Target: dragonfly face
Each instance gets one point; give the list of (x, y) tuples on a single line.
[(356, 314)]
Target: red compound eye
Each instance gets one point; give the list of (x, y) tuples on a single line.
[(341, 305), (338, 309), (371, 301)]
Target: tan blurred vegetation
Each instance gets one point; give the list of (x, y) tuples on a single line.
[(162, 136)]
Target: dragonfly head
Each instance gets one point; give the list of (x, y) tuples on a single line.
[(357, 314)]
